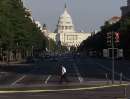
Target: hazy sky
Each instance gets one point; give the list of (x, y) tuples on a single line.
[(87, 15)]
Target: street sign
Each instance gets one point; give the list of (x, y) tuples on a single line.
[(105, 53), (120, 53)]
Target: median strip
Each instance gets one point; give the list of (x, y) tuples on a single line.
[(59, 90)]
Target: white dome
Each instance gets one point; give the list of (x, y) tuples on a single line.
[(65, 23)]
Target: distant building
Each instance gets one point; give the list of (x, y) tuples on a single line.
[(38, 25), (114, 19), (45, 30), (29, 14), (65, 33), (126, 9)]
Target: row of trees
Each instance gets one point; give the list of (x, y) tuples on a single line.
[(19, 35), (98, 41)]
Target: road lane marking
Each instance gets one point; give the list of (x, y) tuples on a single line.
[(78, 74), (108, 69), (47, 79), (69, 89), (18, 80)]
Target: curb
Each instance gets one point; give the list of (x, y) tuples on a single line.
[(61, 90)]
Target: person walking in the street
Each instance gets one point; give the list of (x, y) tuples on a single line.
[(63, 77)]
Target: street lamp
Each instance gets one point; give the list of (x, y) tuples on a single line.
[(32, 49), (1, 53)]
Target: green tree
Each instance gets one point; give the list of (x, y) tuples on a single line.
[(17, 30), (98, 41)]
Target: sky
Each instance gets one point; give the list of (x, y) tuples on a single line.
[(87, 15)]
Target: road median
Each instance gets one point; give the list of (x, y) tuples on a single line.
[(59, 88)]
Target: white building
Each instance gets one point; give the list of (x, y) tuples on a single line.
[(65, 33)]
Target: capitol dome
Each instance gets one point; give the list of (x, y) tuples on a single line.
[(65, 23)]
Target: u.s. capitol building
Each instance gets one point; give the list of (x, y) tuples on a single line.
[(65, 33)]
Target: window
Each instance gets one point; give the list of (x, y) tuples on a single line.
[(59, 27), (66, 27), (62, 27), (70, 27)]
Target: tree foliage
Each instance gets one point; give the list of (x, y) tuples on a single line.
[(98, 41), (17, 30)]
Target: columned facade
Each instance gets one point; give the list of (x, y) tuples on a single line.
[(65, 23), (65, 32)]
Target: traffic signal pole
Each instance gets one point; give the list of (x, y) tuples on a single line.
[(113, 60), (112, 39)]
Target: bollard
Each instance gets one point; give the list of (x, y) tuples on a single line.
[(121, 78), (106, 75), (125, 92)]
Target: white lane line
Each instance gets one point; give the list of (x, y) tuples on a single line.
[(18, 80), (78, 74), (47, 79)]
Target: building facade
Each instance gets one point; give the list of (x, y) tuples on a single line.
[(65, 33), (126, 9)]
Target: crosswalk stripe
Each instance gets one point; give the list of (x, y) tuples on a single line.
[(18, 80), (46, 81)]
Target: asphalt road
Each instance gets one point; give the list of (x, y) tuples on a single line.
[(79, 70)]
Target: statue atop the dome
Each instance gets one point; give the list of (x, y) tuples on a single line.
[(65, 6)]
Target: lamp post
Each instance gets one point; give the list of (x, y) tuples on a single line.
[(32, 50), (17, 51), (1, 53), (49, 46)]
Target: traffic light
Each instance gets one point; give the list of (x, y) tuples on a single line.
[(113, 37), (117, 37)]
